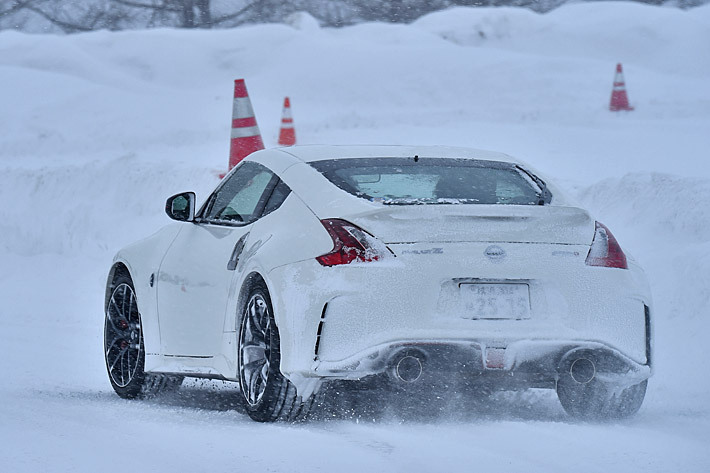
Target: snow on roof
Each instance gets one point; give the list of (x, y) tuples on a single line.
[(321, 152)]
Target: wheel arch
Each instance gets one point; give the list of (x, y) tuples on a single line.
[(119, 268), (254, 277), (288, 403), (146, 299), (248, 283)]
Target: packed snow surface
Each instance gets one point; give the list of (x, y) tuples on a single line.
[(98, 129)]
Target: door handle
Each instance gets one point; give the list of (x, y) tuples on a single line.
[(238, 248)]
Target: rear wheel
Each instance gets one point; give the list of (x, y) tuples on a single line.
[(268, 395), (124, 351)]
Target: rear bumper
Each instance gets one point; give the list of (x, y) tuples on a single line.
[(524, 363)]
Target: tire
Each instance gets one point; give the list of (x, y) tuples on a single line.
[(595, 399), (268, 396), (124, 351)]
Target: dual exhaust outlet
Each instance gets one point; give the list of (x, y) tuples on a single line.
[(408, 366)]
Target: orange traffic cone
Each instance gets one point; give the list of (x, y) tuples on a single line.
[(287, 135), (246, 137), (619, 100)]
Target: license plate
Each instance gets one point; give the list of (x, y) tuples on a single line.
[(495, 301)]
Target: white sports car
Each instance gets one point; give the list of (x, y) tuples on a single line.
[(411, 265)]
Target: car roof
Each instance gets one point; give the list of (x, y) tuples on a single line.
[(312, 153), (327, 200)]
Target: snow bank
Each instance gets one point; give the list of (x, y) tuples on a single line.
[(619, 31), (129, 92), (97, 206), (661, 205)]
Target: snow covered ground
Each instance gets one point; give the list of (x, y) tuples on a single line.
[(98, 129)]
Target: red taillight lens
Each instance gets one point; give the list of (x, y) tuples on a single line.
[(351, 244), (605, 250)]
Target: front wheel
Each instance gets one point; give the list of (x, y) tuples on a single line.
[(268, 395), (124, 352)]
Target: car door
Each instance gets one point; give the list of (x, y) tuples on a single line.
[(195, 275)]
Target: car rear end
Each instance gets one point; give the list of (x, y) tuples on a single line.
[(470, 267)]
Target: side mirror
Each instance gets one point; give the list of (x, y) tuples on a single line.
[(181, 207)]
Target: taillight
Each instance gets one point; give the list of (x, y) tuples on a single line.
[(605, 250), (351, 244)]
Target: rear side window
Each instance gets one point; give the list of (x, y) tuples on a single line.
[(279, 194), (409, 181)]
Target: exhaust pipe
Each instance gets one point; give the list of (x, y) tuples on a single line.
[(407, 366), (583, 370)]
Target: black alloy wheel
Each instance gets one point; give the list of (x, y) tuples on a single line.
[(124, 351), (268, 395), (123, 340)]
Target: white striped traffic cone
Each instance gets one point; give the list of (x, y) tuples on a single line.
[(287, 135), (246, 137), (619, 99)]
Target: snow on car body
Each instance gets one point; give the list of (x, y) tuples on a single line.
[(406, 262)]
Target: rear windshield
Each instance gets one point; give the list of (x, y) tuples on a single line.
[(409, 181)]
